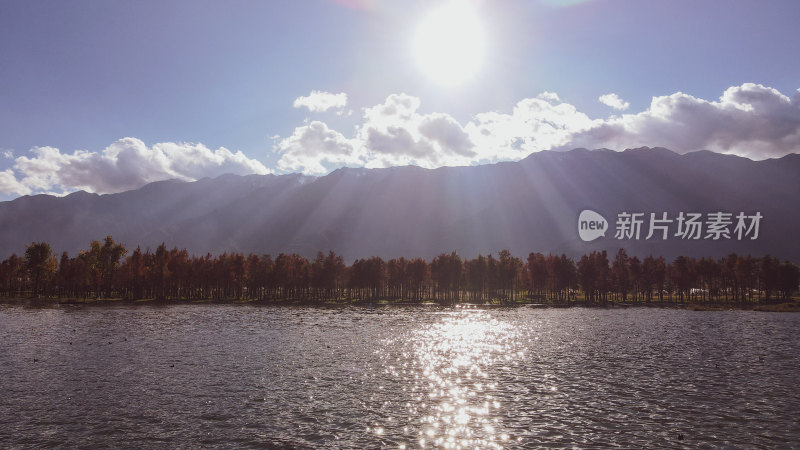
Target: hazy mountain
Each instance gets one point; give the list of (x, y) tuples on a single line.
[(530, 205)]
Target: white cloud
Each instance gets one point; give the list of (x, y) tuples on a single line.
[(311, 146), (395, 133), (750, 120), (8, 154), (549, 96), (534, 124), (10, 185), (321, 101), (125, 164), (390, 134), (614, 101)]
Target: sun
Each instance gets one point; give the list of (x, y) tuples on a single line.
[(449, 44)]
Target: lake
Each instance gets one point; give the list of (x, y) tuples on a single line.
[(399, 377)]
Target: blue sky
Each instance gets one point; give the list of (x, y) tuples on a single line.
[(106, 96)]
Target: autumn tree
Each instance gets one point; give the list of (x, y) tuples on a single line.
[(510, 269), (40, 264), (621, 272), (108, 258), (418, 276), (537, 273), (446, 272), (476, 274)]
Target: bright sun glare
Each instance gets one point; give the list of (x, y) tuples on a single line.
[(449, 44)]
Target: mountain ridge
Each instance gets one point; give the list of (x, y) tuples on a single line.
[(527, 205)]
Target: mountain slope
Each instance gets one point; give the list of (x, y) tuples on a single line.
[(530, 205)]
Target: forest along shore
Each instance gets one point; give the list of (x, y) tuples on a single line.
[(105, 273)]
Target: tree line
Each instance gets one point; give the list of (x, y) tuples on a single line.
[(106, 270)]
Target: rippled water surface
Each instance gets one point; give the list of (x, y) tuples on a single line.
[(212, 375)]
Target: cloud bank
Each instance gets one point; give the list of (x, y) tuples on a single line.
[(125, 164), (750, 120)]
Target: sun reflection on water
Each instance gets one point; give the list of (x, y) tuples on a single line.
[(450, 368)]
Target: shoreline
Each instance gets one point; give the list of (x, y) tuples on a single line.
[(792, 306)]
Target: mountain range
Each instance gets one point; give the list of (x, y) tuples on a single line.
[(523, 206)]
